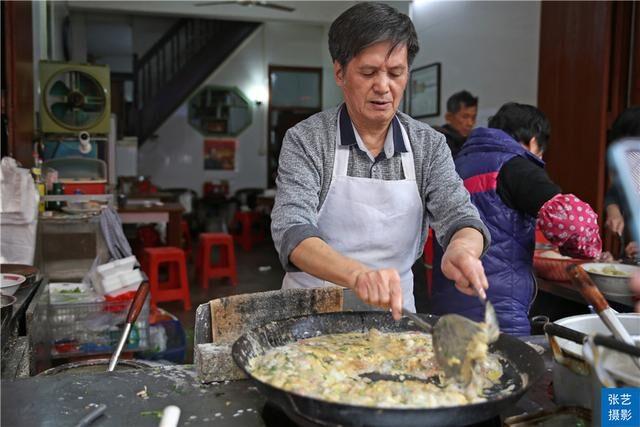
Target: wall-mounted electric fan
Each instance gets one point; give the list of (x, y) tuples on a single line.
[(74, 97)]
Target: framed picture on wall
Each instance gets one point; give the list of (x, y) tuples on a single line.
[(424, 91), (220, 154)]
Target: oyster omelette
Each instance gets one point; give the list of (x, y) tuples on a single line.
[(335, 367)]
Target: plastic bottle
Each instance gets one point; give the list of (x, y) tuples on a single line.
[(37, 177)]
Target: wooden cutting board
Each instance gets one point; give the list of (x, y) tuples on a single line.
[(234, 315)]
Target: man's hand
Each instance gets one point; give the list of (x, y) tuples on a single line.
[(632, 250), (615, 220), (634, 284), (381, 288), (461, 262), (376, 287)]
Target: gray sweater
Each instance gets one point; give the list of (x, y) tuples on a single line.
[(304, 176)]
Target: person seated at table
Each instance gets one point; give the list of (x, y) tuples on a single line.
[(502, 169), (627, 124)]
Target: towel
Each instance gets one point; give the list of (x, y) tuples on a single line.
[(114, 237), (19, 196), (18, 213)]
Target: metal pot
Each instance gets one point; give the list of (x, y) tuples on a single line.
[(610, 368), (572, 374)]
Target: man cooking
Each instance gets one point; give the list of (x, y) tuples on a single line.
[(358, 185)]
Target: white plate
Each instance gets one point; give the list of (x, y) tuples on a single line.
[(9, 283), (73, 210)]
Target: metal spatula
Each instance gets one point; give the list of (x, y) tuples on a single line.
[(592, 294), (452, 338)]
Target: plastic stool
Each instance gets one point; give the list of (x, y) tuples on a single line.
[(248, 229), (177, 287), (225, 267)]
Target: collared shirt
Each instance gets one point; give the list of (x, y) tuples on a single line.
[(306, 166), (362, 163), (394, 141)]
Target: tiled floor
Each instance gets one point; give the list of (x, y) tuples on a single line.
[(250, 279)]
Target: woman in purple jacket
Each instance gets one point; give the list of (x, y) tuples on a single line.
[(502, 169)]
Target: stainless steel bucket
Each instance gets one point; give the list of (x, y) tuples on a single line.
[(572, 374)]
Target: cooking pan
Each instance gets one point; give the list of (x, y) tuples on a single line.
[(521, 364)]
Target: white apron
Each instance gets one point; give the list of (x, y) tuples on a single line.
[(373, 221)]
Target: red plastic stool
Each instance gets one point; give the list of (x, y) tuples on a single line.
[(248, 228), (177, 287), (226, 265)]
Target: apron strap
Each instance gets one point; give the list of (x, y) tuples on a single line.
[(408, 166), (341, 161)]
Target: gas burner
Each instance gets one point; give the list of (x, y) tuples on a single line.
[(273, 415)]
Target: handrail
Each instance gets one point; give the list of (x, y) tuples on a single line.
[(184, 40), (163, 40), (178, 62)]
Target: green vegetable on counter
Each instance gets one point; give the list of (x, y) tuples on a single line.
[(71, 291), (157, 414)]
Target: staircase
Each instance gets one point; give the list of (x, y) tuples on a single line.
[(178, 63)]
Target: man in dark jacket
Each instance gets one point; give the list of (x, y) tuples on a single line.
[(462, 110)]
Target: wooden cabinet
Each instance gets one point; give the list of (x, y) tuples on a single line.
[(17, 81), (588, 74)]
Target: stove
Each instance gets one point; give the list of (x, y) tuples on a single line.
[(273, 416)]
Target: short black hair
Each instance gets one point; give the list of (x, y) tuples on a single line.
[(365, 24), (522, 122), (626, 124), (458, 99)]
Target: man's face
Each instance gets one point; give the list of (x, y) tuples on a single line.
[(373, 82), (464, 120)]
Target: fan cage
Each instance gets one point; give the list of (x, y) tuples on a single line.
[(103, 96)]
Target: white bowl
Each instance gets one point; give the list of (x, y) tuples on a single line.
[(611, 284), (9, 283)]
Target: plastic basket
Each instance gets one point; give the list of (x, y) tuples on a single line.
[(175, 350), (93, 328), (553, 268)]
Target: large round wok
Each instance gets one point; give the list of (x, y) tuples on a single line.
[(521, 364)]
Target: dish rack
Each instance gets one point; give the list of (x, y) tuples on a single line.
[(82, 329)]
